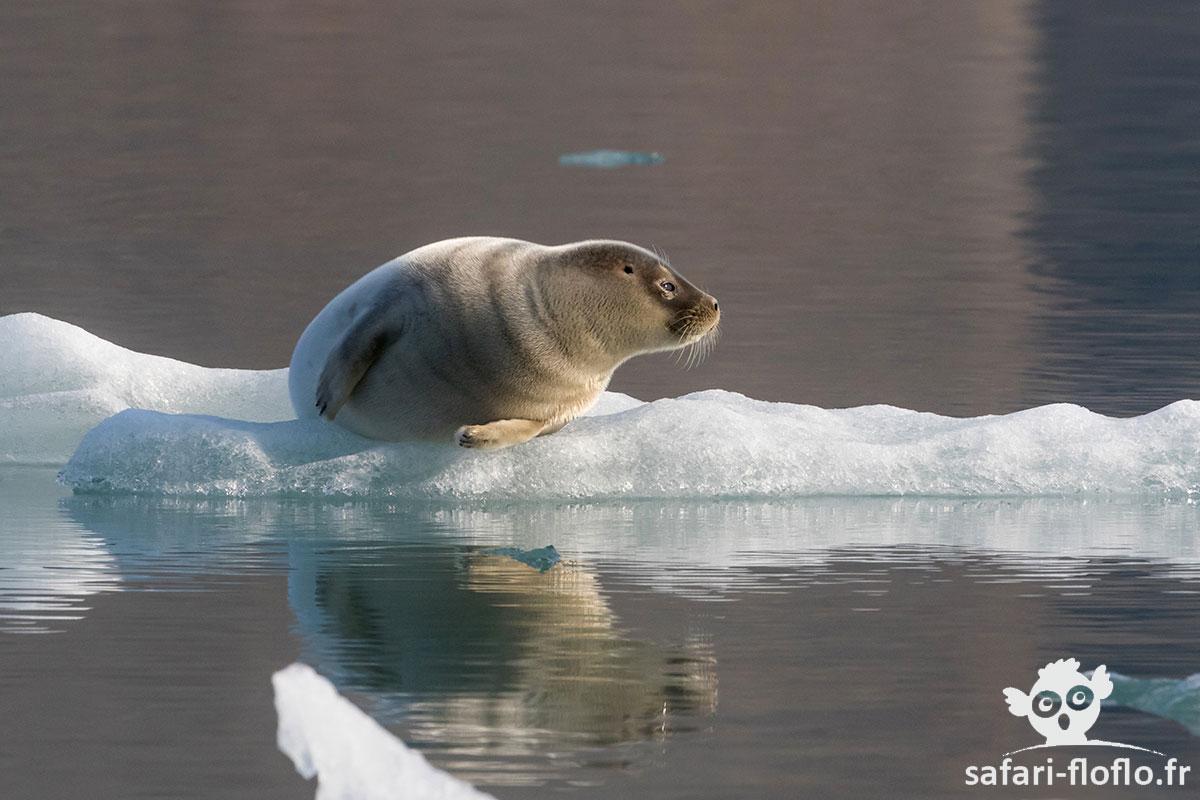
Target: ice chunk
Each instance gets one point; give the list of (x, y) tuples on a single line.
[(57, 381), (1177, 700), (609, 159), (712, 444), (351, 755), (539, 558)]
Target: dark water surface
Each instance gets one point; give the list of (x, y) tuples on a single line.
[(959, 207), (955, 207)]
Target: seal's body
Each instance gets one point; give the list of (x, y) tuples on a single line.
[(493, 340)]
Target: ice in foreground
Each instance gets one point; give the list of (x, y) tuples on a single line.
[(1177, 700), (351, 755), (56, 381)]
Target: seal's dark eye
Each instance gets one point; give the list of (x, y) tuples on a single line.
[(667, 286), (1046, 703), (628, 270), (1079, 698)]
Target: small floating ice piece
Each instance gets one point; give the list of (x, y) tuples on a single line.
[(1172, 699), (609, 159), (541, 558), (352, 756)]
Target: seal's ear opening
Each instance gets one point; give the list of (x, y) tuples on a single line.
[(628, 269)]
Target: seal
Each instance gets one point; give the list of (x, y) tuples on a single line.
[(491, 341)]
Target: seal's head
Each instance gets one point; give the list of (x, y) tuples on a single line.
[(636, 302)]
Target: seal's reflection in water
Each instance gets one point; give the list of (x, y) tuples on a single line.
[(498, 666), (577, 674), (500, 672)]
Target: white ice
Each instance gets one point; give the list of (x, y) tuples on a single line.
[(56, 381), (709, 444), (351, 755)]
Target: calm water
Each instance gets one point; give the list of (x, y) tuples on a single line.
[(960, 207), (839, 648)]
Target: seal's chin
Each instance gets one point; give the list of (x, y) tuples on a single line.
[(695, 345)]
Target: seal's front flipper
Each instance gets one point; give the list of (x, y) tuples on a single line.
[(501, 433), (351, 357)]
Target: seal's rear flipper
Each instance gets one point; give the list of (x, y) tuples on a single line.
[(359, 348)]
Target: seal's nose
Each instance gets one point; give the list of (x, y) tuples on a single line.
[(1064, 721)]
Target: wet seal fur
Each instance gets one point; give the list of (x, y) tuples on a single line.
[(492, 341)]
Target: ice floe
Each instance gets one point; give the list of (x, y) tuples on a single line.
[(58, 380), (711, 444), (184, 430)]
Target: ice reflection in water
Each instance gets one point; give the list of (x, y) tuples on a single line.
[(48, 569)]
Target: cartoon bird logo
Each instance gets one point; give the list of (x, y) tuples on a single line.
[(1064, 703)]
